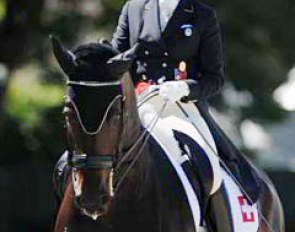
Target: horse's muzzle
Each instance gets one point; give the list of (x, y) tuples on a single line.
[(94, 207)]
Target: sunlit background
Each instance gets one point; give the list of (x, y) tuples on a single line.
[(256, 108)]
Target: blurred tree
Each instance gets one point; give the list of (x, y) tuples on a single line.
[(259, 39)]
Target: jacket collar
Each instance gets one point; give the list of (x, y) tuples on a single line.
[(151, 30)]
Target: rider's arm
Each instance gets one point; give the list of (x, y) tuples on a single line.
[(211, 61), (120, 39)]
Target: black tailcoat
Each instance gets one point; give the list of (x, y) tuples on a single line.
[(161, 51)]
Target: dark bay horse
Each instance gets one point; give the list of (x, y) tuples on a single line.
[(118, 180)]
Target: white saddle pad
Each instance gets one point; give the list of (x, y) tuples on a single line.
[(245, 216), (171, 120), (194, 126)]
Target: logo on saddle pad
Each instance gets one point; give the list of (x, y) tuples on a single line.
[(248, 212)]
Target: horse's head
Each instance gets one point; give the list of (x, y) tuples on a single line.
[(101, 118)]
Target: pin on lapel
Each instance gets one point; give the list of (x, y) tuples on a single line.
[(187, 29), (147, 6), (190, 10)]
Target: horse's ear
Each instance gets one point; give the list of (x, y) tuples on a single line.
[(121, 63), (65, 58)]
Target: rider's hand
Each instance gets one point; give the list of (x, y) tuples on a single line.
[(173, 90)]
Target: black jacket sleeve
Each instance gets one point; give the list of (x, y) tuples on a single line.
[(120, 39), (211, 75)]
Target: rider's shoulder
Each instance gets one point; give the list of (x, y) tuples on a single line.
[(204, 9), (134, 4)]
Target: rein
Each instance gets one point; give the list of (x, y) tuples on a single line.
[(145, 137), (93, 83)]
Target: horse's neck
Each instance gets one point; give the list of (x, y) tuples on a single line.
[(131, 132), (131, 124)]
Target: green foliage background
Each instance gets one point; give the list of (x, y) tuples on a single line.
[(259, 43)]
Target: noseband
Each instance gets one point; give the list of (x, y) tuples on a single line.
[(97, 162)]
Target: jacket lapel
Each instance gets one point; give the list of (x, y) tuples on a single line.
[(150, 31)]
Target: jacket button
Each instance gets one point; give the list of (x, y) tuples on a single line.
[(144, 77), (164, 65), (146, 52), (165, 53), (145, 64)]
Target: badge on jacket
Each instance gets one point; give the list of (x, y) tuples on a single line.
[(187, 30)]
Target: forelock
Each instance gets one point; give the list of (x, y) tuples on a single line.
[(94, 52), (91, 59)]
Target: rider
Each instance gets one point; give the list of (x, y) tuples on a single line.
[(181, 49)]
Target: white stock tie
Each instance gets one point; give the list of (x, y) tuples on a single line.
[(166, 8)]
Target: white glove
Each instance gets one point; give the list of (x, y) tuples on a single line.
[(173, 90)]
